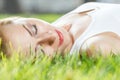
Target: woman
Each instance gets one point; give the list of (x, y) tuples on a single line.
[(92, 27), (95, 28)]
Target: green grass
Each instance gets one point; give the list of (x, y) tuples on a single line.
[(60, 68)]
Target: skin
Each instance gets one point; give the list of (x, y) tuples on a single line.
[(106, 43), (23, 34), (19, 37)]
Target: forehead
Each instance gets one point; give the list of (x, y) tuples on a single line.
[(10, 26), (15, 25), (12, 31)]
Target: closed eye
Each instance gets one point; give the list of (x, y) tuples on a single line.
[(27, 29), (34, 29)]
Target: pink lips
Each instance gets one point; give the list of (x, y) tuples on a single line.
[(61, 38)]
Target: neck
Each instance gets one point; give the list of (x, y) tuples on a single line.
[(72, 38), (80, 25), (70, 44)]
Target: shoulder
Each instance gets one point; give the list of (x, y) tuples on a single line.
[(92, 6)]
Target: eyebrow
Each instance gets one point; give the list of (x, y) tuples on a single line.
[(28, 30)]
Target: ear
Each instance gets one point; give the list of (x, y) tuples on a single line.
[(67, 27)]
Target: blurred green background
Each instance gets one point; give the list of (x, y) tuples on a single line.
[(43, 6), (59, 68), (47, 17)]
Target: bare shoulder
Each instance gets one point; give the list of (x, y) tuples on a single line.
[(105, 43), (109, 34), (90, 6)]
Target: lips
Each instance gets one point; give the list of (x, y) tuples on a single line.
[(61, 38)]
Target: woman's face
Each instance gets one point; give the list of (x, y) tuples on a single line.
[(29, 34)]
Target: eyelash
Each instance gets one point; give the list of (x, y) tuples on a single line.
[(35, 28)]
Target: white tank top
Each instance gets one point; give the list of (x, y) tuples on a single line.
[(105, 18)]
